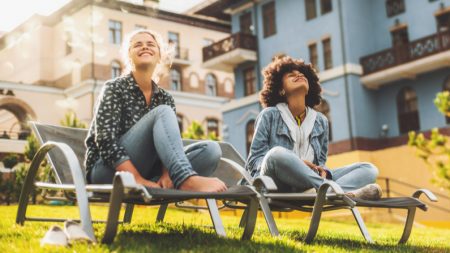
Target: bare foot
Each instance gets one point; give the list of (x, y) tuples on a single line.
[(203, 184)]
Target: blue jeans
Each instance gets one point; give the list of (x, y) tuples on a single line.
[(290, 173), (155, 141)]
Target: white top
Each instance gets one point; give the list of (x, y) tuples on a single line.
[(301, 134)]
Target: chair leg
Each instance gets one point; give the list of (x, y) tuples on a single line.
[(361, 224), (161, 212), (408, 225), (268, 216), (250, 213), (316, 214), (129, 208), (28, 186), (114, 211), (243, 220), (215, 217)]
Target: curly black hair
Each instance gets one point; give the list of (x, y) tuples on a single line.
[(273, 81)]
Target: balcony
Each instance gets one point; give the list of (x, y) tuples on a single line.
[(181, 56), (419, 56), (226, 54)]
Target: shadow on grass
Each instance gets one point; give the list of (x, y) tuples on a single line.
[(169, 238), (347, 244)]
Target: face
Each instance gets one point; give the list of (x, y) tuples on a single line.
[(144, 50), (295, 81)]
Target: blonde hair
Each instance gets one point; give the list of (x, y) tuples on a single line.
[(166, 53)]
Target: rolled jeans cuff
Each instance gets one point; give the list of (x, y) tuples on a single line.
[(181, 177)]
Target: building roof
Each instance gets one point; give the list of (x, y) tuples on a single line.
[(75, 6), (217, 8)]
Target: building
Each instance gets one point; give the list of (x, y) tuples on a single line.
[(49, 65), (380, 64)]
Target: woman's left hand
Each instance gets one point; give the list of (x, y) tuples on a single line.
[(165, 181)]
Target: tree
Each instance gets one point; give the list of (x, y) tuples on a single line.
[(195, 131), (71, 120), (435, 151)]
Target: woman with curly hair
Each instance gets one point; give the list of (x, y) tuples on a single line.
[(290, 143), (135, 128)]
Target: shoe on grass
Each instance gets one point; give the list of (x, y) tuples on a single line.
[(75, 232), (368, 192), (55, 236)]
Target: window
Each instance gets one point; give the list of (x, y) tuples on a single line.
[(245, 22), (140, 27), (394, 7), (313, 56), (180, 122), (250, 81), (212, 126), (174, 40), (207, 42), (447, 88), (211, 83), (327, 54), (175, 79), (249, 131), (310, 7), (115, 32), (324, 108), (325, 6), (68, 43), (408, 114), (115, 69), (269, 19)]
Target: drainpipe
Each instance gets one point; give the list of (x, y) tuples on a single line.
[(94, 86), (346, 82), (258, 59)]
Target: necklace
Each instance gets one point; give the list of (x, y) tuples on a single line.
[(300, 118)]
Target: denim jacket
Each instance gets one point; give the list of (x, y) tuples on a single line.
[(271, 131)]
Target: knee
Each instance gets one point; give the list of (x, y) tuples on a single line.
[(163, 109), (370, 169), (276, 155), (213, 149)]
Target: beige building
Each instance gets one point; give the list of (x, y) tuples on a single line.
[(49, 65)]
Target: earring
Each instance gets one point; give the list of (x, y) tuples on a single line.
[(282, 92)]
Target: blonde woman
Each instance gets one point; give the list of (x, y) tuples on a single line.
[(135, 128)]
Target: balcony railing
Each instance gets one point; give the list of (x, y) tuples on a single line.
[(235, 41), (412, 51), (182, 53)]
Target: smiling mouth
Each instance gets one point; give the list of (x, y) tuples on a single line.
[(147, 53)]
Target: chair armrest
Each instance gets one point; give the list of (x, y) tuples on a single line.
[(238, 168), (427, 193), (265, 182), (337, 189), (129, 183)]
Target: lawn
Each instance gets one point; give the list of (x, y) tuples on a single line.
[(189, 231)]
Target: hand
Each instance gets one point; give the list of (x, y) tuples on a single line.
[(322, 172), (317, 169), (147, 183), (165, 181)]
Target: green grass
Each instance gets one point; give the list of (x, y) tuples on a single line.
[(189, 231)]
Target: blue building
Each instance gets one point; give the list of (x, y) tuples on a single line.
[(380, 63)]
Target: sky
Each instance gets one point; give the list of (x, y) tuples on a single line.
[(14, 12)]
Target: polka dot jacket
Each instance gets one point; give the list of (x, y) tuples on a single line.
[(120, 106)]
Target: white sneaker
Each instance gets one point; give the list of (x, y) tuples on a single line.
[(55, 236), (368, 192), (75, 232)]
